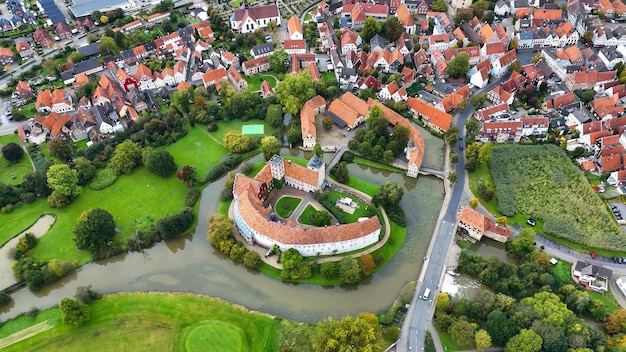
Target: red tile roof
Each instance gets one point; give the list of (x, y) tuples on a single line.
[(439, 118)]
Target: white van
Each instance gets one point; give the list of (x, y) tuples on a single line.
[(426, 294)]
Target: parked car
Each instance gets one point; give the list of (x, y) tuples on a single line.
[(614, 259), (593, 254), (531, 222), (624, 260), (620, 260)]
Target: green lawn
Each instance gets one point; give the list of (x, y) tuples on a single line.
[(18, 169), (255, 81), (366, 162), (152, 322), (236, 3), (365, 187), (224, 127), (296, 160), (449, 345), (306, 215), (286, 205), (563, 274), (134, 200), (198, 149), (358, 213)]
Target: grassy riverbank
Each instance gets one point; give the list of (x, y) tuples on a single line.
[(150, 322)]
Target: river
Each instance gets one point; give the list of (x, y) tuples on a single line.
[(191, 264)]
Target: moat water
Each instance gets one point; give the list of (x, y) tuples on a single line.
[(190, 264)]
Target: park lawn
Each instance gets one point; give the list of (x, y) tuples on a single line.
[(286, 205), (18, 169), (255, 81), (148, 322), (197, 149), (393, 244), (563, 274), (365, 187), (366, 162), (306, 215), (358, 213), (135, 205), (449, 345), (224, 127)]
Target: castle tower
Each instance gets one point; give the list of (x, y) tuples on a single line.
[(277, 167)]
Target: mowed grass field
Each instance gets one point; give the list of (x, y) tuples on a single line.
[(224, 127), (18, 169), (152, 322)]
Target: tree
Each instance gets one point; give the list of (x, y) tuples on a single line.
[(294, 265), (64, 184), (516, 66), (107, 44), (547, 307), (439, 6), (552, 336), (500, 328), (376, 121), (514, 43), (94, 230), (485, 152), (390, 194), (482, 340), (461, 17), (274, 115), (523, 244), (126, 157), (86, 295), (525, 341), (393, 28), (502, 220), (12, 152), (585, 96), (321, 218), (277, 60), (388, 156), (74, 312), (371, 27), (347, 334), (252, 260), (472, 127), (270, 146), (294, 135), (221, 232), (317, 150), (462, 332), (336, 22), (341, 173), (104, 19), (85, 170), (616, 322), (4, 299), (327, 123), (160, 163), (367, 264), (452, 176), (451, 135), (349, 270), (442, 303), (236, 142), (294, 90), (480, 7), (459, 65), (329, 270), (188, 174)]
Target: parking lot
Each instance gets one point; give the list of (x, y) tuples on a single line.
[(619, 211)]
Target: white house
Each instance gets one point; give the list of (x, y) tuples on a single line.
[(594, 278), (501, 8), (250, 18)]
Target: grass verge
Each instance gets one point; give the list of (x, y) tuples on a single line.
[(146, 322)]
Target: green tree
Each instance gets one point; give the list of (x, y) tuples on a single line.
[(341, 173), (294, 90), (616, 322), (64, 184), (452, 176), (346, 335), (317, 150), (277, 60), (459, 65), (60, 149), (525, 341), (442, 303), (553, 337), (388, 156), (485, 152), (270, 146), (327, 123), (376, 121), (461, 17), (522, 245), (514, 43), (516, 66), (472, 128), (585, 96), (252, 260), (451, 135), (12, 152), (274, 115), (220, 233), (482, 340), (107, 44), (480, 7), (126, 157), (188, 174), (371, 27), (548, 308), (462, 332), (390, 194), (85, 170), (294, 135), (160, 163), (94, 230), (349, 270), (329, 270), (294, 265), (321, 218), (236, 142), (392, 29), (500, 328), (74, 312), (439, 6)]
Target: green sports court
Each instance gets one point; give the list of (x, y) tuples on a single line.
[(252, 129)]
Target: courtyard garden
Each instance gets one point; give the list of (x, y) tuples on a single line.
[(254, 82), (541, 182), (286, 205), (151, 322)]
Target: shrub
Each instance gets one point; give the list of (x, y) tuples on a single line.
[(192, 197), (103, 179), (86, 295), (174, 225), (4, 299), (252, 260)]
